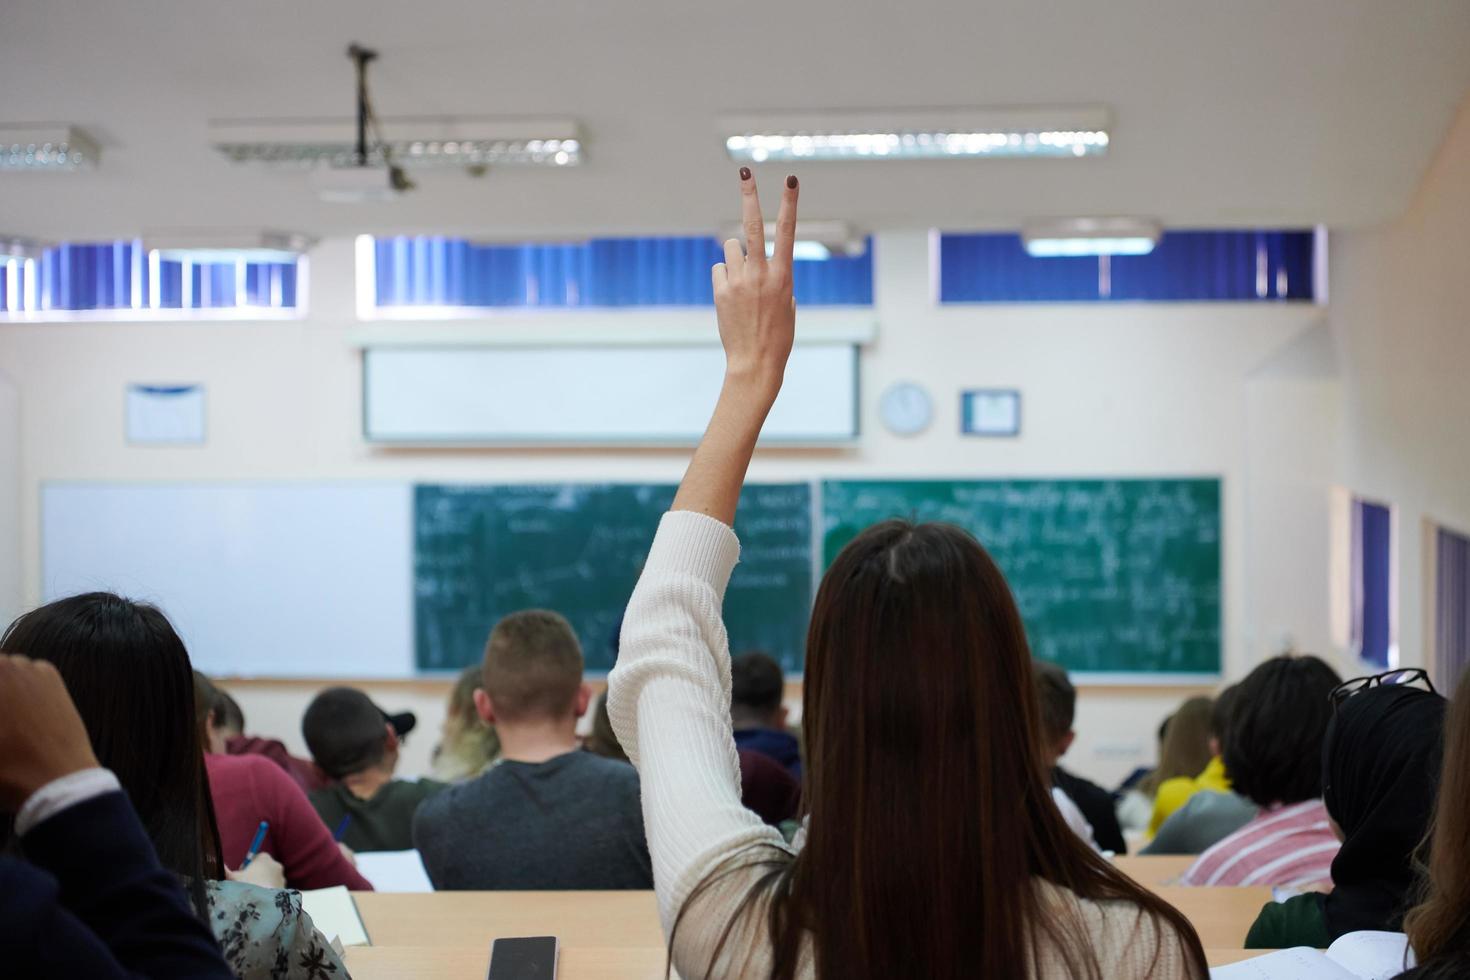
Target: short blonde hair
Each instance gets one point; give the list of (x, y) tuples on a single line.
[(533, 666)]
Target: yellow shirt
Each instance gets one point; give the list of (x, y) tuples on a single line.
[(1174, 793)]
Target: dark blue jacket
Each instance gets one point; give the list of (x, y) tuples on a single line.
[(779, 745), (92, 901)]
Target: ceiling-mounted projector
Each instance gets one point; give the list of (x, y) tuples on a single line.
[(358, 185)]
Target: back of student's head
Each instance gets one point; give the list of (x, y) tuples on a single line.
[(1380, 768), (1056, 698), (1439, 927), (345, 732), (757, 687), (1274, 733), (533, 667), (931, 812), (129, 675), (1185, 747)]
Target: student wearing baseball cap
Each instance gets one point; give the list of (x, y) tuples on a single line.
[(355, 743)]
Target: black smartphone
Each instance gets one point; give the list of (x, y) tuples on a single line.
[(523, 958)]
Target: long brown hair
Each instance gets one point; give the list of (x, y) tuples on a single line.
[(930, 812), (1186, 748), (1439, 926)]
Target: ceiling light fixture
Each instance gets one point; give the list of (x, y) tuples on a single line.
[(919, 135), (1090, 236), (416, 142), (46, 148), (227, 245)]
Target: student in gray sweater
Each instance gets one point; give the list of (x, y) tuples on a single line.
[(547, 815)]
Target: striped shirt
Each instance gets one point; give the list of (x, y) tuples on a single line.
[(1285, 845)]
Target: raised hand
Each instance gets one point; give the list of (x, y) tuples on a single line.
[(757, 314), (757, 326), (41, 735)]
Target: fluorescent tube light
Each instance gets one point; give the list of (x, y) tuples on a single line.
[(1090, 236), (227, 245), (815, 240), (918, 135), (21, 248), (412, 143), (46, 148)]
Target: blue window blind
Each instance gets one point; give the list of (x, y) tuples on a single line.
[(433, 271), (1451, 606), (1185, 266), (1372, 579), (123, 275)]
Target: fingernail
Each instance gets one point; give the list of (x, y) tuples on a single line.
[(744, 173), (791, 182)]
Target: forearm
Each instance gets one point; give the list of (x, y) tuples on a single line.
[(711, 484)]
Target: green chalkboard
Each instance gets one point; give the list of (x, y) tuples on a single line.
[(1110, 575), (481, 552)]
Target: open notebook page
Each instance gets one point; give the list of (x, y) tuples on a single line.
[(1356, 956), (334, 914)]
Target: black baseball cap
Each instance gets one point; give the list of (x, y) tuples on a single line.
[(343, 728)]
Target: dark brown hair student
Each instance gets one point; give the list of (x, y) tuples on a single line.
[(1439, 927), (931, 815)]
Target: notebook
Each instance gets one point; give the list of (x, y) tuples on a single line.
[(334, 914), (394, 871), (1355, 956)]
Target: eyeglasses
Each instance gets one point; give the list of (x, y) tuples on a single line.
[(1390, 678)]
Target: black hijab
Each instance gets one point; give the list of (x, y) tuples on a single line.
[(1380, 773)]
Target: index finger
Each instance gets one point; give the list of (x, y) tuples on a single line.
[(786, 223), (750, 218)]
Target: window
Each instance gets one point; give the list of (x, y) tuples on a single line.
[(123, 280), (1373, 633), (414, 277), (1451, 598), (1185, 266)]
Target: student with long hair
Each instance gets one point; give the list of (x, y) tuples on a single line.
[(129, 675), (933, 847), (467, 743), (1439, 926), (1186, 764), (1380, 768)]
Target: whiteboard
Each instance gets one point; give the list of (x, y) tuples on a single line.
[(630, 395), (267, 579)]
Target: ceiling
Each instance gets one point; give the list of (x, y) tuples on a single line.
[(1278, 112)]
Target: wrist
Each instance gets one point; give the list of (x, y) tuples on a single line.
[(753, 384)]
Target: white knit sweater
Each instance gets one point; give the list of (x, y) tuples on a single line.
[(669, 702)]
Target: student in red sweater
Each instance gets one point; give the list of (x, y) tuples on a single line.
[(247, 789)]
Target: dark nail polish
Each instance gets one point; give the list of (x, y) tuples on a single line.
[(791, 182), (744, 173)]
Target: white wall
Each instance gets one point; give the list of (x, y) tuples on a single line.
[(1110, 390), (1401, 313)]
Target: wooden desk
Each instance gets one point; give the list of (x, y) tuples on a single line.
[(470, 963), (582, 919), (1221, 916), (629, 920), (577, 962), (1154, 870)]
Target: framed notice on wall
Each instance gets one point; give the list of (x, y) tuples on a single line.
[(990, 412)]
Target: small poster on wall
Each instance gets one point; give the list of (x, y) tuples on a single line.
[(991, 412), (165, 415)]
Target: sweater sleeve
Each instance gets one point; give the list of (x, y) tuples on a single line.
[(124, 915), (669, 703), (1298, 921), (297, 837)]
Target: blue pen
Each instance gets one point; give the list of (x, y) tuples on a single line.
[(255, 845), (341, 828)]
